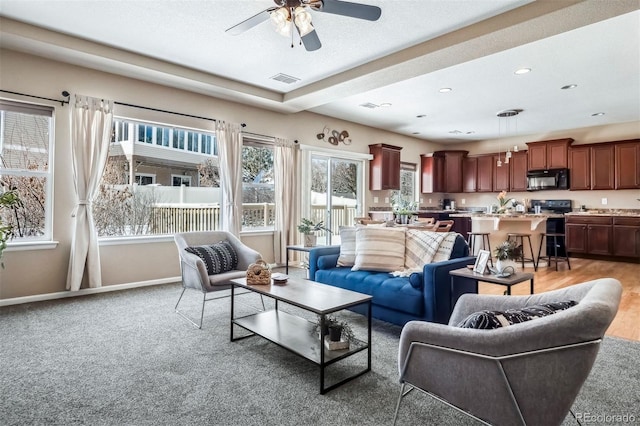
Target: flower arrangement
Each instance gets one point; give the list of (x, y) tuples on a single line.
[(504, 202), (401, 205), (508, 250)]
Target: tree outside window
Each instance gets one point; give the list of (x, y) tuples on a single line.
[(258, 191)]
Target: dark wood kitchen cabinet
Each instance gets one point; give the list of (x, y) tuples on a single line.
[(469, 174), (384, 169), (627, 170), (518, 173), (432, 173), (589, 234), (500, 174), (453, 170), (484, 181), (553, 154), (580, 168), (602, 166), (626, 236)]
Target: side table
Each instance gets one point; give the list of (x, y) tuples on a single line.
[(298, 247), (490, 278)]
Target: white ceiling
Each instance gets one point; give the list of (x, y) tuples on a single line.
[(404, 58)]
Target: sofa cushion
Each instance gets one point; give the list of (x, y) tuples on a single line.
[(347, 246), (488, 320), (387, 291), (219, 257), (379, 249)]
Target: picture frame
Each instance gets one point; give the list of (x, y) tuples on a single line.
[(481, 262)]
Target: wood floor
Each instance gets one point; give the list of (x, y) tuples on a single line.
[(627, 321)]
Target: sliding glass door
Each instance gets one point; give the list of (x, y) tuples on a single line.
[(336, 195)]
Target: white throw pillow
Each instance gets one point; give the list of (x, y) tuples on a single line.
[(347, 246), (379, 249)]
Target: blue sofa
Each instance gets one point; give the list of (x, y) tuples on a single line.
[(424, 296)]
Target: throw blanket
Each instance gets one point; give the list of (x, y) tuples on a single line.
[(422, 247)]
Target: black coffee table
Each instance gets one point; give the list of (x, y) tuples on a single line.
[(295, 333)]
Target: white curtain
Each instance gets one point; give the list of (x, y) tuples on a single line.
[(286, 177), (230, 145), (91, 122)]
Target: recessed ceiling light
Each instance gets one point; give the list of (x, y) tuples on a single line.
[(385, 105), (455, 132), (569, 86), (522, 71), (597, 114), (445, 90), (421, 116)]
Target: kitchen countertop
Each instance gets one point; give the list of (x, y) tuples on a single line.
[(521, 216), (632, 213)]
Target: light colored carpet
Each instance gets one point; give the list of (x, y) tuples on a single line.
[(125, 358)]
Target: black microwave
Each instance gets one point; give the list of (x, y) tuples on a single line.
[(538, 180)]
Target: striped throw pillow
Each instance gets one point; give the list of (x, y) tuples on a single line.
[(347, 246), (219, 257), (379, 249)]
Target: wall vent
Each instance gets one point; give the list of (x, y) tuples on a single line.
[(369, 105), (284, 78)]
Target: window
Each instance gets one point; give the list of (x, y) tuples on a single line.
[(179, 180), (258, 191), (161, 159), (408, 181), (26, 146), (145, 179)]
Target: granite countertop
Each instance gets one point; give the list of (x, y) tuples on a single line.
[(522, 216), (621, 212)]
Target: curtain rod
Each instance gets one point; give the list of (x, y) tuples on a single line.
[(66, 101), (62, 101)]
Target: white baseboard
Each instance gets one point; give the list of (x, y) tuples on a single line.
[(86, 291)]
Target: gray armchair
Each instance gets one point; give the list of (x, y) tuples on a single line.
[(527, 373), (194, 271)]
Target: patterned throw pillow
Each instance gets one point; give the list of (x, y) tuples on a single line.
[(489, 320), (347, 246), (219, 257), (379, 249)]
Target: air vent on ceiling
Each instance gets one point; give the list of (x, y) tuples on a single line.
[(369, 105), (284, 78)]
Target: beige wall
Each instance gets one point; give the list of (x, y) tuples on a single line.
[(44, 271), (35, 272)]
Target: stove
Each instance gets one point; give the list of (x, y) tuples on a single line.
[(554, 224)]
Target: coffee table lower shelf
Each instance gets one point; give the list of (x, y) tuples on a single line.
[(295, 334)]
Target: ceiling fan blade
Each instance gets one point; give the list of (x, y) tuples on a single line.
[(311, 41), (354, 10), (247, 24)]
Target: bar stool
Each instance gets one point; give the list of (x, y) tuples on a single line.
[(484, 239), (522, 236), (555, 256)]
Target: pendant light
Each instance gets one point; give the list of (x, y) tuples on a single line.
[(507, 114)]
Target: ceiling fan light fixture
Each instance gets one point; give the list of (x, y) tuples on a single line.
[(303, 20), (281, 20)]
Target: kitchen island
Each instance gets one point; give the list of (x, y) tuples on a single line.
[(499, 225)]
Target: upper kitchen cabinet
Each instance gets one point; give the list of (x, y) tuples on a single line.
[(384, 169), (453, 170), (469, 174), (602, 166), (432, 172), (500, 174), (518, 176), (580, 167), (484, 182), (627, 170), (553, 154)]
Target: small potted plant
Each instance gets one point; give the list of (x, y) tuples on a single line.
[(402, 207), (336, 329), (8, 199), (308, 228), (507, 253), (504, 202)]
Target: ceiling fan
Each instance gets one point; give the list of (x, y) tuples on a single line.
[(294, 14)]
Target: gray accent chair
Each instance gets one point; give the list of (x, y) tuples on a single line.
[(523, 374), (194, 271)]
